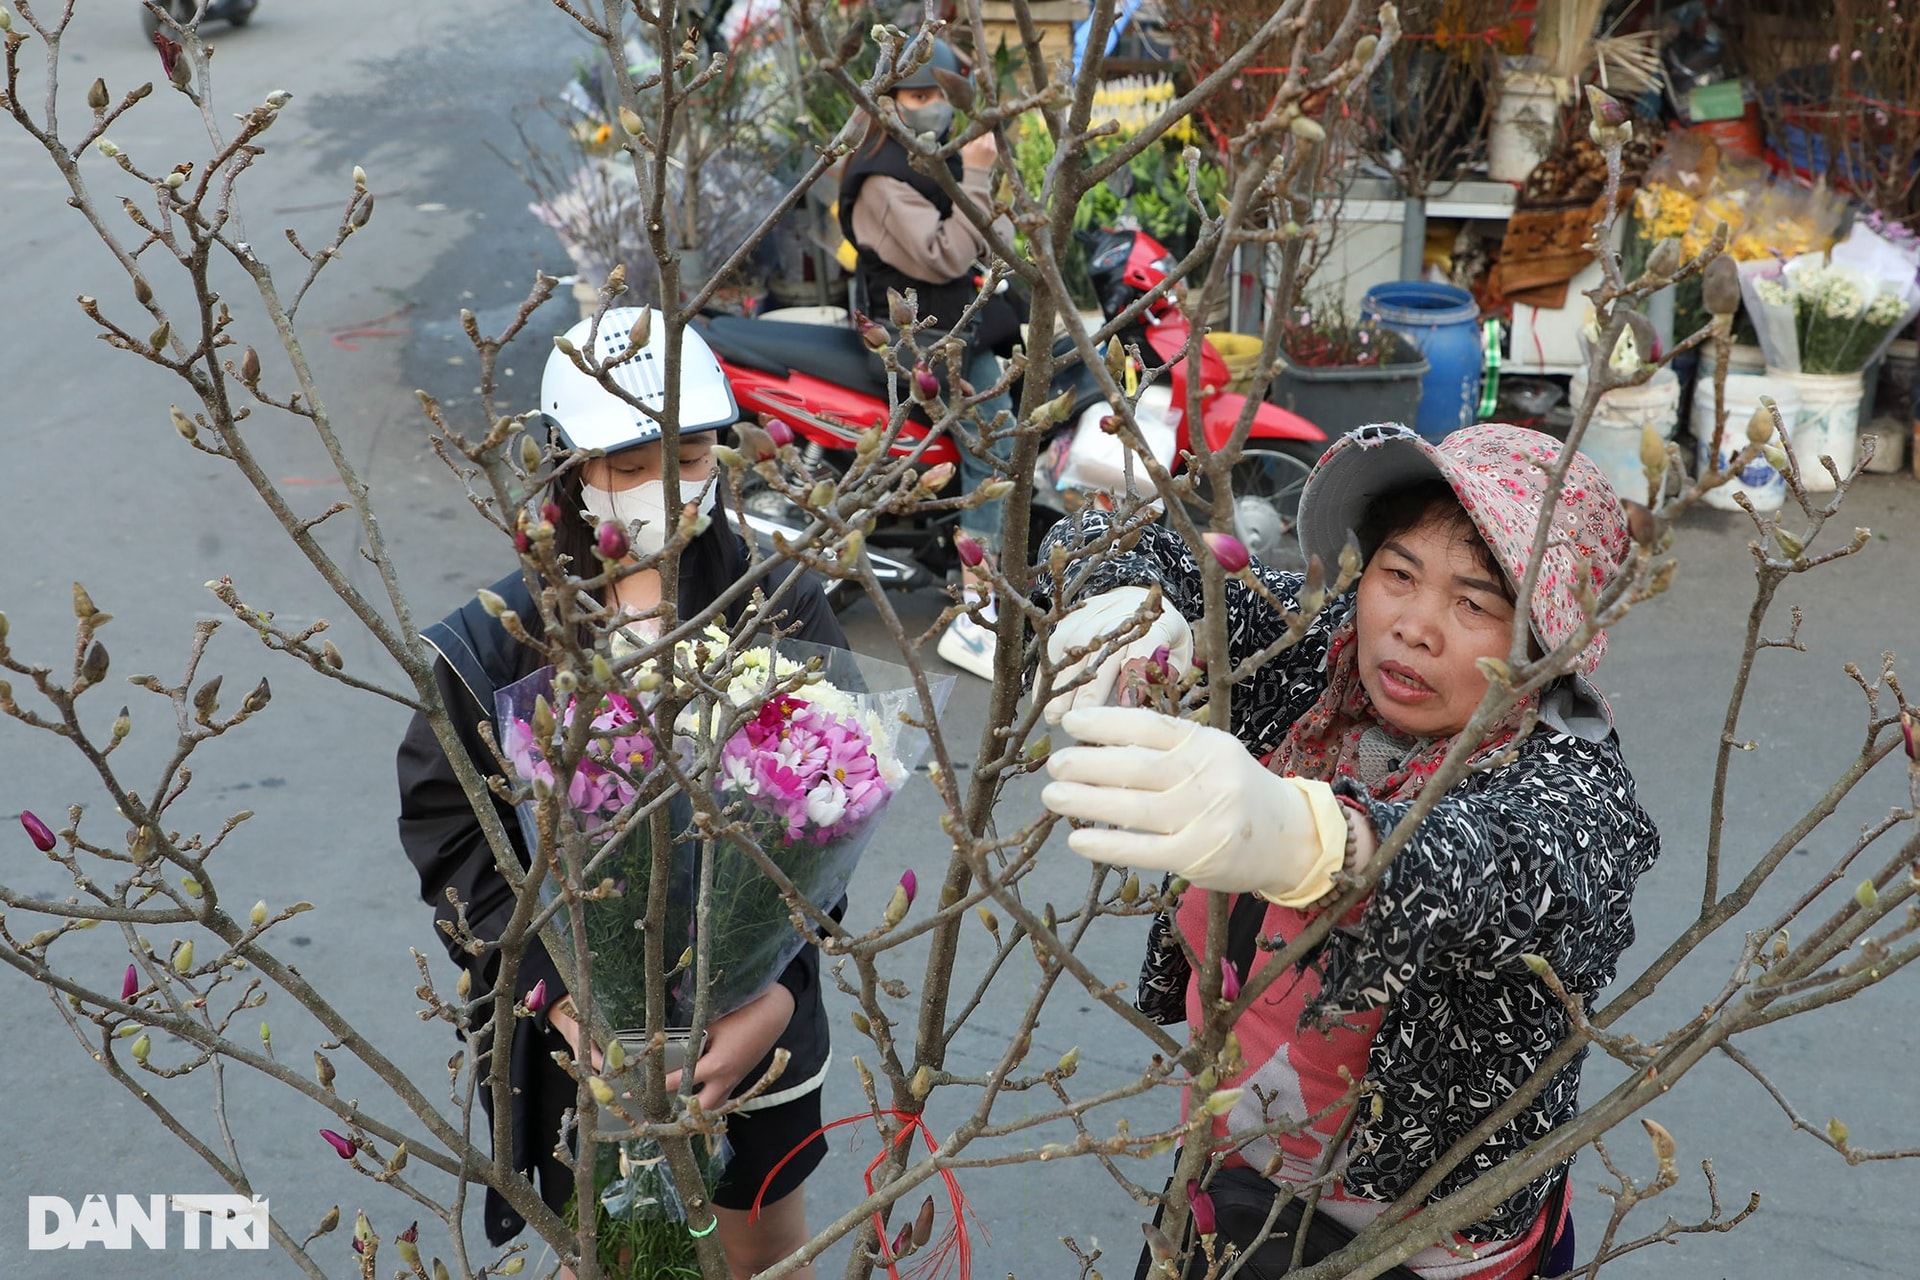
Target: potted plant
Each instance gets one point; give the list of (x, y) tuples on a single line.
[(1339, 373)]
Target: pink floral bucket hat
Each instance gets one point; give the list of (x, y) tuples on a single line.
[(1499, 473)]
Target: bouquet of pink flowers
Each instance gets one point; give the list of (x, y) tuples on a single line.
[(803, 753)]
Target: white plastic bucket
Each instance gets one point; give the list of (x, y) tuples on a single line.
[(1764, 487), (1613, 435), (1525, 116), (1829, 423)]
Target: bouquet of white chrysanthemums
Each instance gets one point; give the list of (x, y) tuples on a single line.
[(1834, 312)]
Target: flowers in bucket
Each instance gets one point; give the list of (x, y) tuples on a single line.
[(1836, 312), (1821, 317), (803, 749)]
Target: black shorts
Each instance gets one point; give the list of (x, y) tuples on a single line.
[(761, 1139)]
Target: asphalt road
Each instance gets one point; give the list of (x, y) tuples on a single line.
[(97, 487)]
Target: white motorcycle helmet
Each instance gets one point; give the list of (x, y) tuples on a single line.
[(588, 416)]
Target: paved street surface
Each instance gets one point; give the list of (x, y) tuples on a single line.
[(97, 487)]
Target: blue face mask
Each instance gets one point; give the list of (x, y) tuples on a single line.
[(934, 118)]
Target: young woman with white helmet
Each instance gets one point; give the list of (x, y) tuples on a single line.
[(617, 475)]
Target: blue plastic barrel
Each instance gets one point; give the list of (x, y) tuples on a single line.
[(1444, 322)]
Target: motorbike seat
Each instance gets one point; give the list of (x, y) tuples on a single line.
[(779, 347)]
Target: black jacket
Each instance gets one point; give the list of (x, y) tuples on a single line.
[(996, 325), (443, 840)]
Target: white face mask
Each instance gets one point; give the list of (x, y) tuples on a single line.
[(645, 502)]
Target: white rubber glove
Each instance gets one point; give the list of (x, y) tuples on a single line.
[(1105, 615), (1190, 799)]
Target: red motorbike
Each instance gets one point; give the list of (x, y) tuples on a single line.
[(824, 383)]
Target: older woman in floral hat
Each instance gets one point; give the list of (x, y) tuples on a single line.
[(1422, 990)]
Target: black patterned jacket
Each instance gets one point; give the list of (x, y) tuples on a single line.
[(1538, 855)]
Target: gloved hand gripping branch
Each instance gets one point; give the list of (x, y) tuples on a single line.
[(1100, 618), (1188, 799)]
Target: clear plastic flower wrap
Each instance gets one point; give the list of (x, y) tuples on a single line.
[(803, 749)]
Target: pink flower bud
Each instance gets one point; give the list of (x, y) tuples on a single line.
[(550, 512), (1163, 658), (37, 831), (610, 540), (537, 998), (130, 985), (1229, 981), (910, 883), (874, 335), (1111, 424), (1202, 1205), (1227, 549), (342, 1147), (1906, 736), (965, 545), (779, 432), (521, 542), (925, 385)]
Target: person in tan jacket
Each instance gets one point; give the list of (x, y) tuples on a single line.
[(910, 235)]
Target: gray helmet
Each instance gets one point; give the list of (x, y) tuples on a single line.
[(921, 77)]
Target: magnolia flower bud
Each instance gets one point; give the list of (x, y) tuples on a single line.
[(1665, 259), (1069, 1062), (97, 96), (1720, 286), (186, 426), (610, 541), (899, 310), (936, 477), (779, 432), (266, 1035), (6, 19), (922, 1083), (1130, 888), (874, 335), (1866, 895), (925, 385), (1311, 132), (1789, 542), (862, 1024), (359, 176), (1837, 1132), (1228, 551), (492, 602), (1907, 736), (529, 454), (1642, 525), (405, 1244), (511, 1267), (1202, 1206), (968, 548), (1221, 1101), (175, 180), (130, 985), (994, 490), (897, 905), (564, 346), (1664, 1147), (1363, 49), (141, 1047), (602, 1091), (258, 915), (93, 669), (323, 1069), (990, 920), (107, 148), (183, 958), (190, 886), (1760, 426), (630, 121), (1229, 981), (37, 831)]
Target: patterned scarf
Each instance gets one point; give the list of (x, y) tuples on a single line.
[(1341, 736)]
